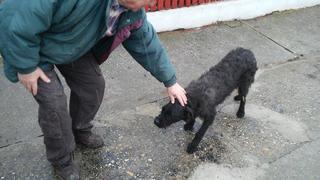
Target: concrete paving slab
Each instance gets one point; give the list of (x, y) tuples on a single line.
[(206, 46), (302, 163), (225, 172), (18, 113), (295, 30), (25, 161), (291, 89)]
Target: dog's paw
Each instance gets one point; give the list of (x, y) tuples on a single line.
[(237, 98), (240, 114), (191, 149), (187, 127)]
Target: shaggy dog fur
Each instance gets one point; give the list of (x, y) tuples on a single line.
[(236, 70)]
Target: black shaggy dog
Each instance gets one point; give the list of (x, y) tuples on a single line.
[(236, 70)]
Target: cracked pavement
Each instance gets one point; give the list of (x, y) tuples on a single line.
[(279, 138)]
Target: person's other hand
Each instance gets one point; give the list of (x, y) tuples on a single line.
[(176, 91), (30, 81)]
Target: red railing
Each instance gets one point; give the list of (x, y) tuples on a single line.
[(172, 4)]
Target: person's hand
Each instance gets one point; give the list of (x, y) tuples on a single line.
[(176, 91), (30, 81)]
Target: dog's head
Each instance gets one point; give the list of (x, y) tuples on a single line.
[(172, 113)]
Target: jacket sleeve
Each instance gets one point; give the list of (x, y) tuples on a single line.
[(145, 47), (22, 37)]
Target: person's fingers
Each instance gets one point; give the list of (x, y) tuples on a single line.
[(184, 91), (34, 87), (44, 77), (171, 98), (28, 87), (180, 100), (184, 97), (23, 83)]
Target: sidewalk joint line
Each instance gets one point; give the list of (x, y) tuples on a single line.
[(269, 38), (18, 142), (300, 145)]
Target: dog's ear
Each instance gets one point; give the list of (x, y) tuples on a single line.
[(190, 114)]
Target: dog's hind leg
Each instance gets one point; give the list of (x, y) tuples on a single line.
[(241, 111), (245, 81), (207, 121)]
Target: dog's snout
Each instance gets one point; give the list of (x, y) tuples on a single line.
[(157, 121)]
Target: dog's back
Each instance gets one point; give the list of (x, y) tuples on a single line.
[(216, 84)]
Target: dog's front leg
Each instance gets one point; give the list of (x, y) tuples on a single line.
[(192, 147), (189, 125)]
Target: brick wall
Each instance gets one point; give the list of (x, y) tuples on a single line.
[(172, 4)]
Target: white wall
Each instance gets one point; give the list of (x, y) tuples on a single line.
[(197, 16)]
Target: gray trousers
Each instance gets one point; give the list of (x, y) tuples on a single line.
[(60, 126)]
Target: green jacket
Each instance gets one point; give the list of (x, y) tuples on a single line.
[(40, 33)]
